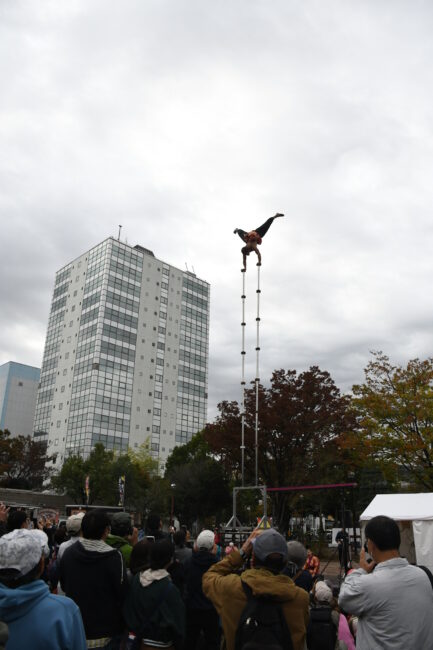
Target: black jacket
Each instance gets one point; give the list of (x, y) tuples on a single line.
[(198, 565), (97, 583)]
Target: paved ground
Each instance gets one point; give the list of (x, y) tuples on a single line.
[(331, 571)]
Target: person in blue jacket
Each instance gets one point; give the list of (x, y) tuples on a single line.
[(36, 618)]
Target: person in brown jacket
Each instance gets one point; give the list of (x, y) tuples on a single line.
[(222, 585)]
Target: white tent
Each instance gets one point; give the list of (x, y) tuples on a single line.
[(416, 508)]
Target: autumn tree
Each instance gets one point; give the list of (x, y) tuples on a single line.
[(23, 462), (395, 413), (302, 418)]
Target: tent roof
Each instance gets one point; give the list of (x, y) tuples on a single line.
[(401, 506)]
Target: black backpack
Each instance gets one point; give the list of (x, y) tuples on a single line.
[(262, 625), (321, 631)]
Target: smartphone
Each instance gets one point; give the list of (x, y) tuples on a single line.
[(369, 559)]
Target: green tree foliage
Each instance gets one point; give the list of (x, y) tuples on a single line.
[(302, 419), (104, 467), (395, 415), (196, 449), (23, 462), (200, 487), (70, 479), (158, 496)]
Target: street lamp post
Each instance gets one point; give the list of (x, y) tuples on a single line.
[(172, 485)]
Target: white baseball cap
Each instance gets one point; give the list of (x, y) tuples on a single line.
[(22, 550), (206, 540)]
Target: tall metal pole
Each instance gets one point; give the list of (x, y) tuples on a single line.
[(243, 296), (257, 379)]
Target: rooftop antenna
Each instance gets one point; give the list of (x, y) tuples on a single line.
[(193, 269), (120, 228), (186, 266)]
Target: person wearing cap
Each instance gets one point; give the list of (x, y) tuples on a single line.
[(73, 528), (297, 555), (123, 535), (222, 584), (201, 615), (36, 619), (94, 575)]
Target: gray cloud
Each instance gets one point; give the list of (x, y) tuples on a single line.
[(184, 119)]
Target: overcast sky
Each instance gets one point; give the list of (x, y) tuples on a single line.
[(183, 119)]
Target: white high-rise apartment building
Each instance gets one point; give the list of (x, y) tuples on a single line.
[(126, 354)]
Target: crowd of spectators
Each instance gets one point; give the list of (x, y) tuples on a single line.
[(93, 584)]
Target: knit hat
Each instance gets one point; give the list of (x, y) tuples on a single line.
[(206, 540), (269, 542), (73, 523), (21, 549), (322, 592)]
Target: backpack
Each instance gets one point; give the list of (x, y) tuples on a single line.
[(321, 631), (428, 572), (262, 625)]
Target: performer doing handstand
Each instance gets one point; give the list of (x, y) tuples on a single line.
[(253, 238)]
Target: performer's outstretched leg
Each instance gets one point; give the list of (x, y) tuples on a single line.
[(263, 229), (240, 232)]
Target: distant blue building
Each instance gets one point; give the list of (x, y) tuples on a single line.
[(18, 392)]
